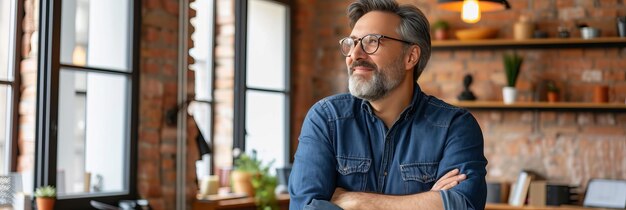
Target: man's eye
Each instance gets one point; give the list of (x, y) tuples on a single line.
[(371, 41)]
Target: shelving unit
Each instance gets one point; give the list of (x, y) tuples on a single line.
[(530, 43), (547, 106), (490, 44)]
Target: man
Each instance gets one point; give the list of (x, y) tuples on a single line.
[(387, 145)]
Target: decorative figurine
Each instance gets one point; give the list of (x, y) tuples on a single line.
[(467, 94)]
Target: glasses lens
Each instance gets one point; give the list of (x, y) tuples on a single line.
[(370, 44), (346, 45)]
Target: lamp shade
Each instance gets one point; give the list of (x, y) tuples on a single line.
[(485, 5)]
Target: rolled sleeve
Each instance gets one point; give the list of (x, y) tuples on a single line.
[(464, 150), (453, 200), (313, 174)]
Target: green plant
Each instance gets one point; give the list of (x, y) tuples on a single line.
[(551, 87), (45, 192), (247, 163), (440, 24), (263, 182), (512, 66)]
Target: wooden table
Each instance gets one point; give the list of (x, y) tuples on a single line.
[(239, 203), (493, 206)]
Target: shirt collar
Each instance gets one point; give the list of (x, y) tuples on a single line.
[(409, 111)]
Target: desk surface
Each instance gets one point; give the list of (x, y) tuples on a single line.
[(238, 203), (493, 206)]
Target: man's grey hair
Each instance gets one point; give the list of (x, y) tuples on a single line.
[(414, 26)]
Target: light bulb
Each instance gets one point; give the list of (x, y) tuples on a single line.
[(471, 11)]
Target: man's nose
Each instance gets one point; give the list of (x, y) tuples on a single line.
[(357, 52)]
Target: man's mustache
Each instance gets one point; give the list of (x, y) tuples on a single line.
[(363, 64)]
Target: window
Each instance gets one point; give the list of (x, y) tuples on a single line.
[(87, 118), (7, 86), (202, 53), (262, 82)]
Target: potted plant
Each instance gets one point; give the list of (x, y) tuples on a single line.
[(46, 196), (245, 168), (440, 29), (253, 178), (512, 66), (553, 92)]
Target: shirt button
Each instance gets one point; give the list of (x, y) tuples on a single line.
[(385, 173)]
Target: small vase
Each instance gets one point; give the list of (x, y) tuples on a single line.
[(45, 203), (553, 97), (441, 34), (242, 183), (509, 94)]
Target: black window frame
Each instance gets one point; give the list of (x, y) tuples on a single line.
[(49, 67), (240, 87)]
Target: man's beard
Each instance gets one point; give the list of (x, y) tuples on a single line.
[(382, 80)]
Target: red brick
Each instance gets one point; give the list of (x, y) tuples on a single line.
[(560, 130), (171, 7), (564, 3), (566, 118), (543, 5), (574, 53), (572, 13), (168, 148), (603, 130), (170, 37), (610, 3), (462, 54), (513, 129), (150, 137), (594, 53), (605, 119), (152, 4), (609, 12)]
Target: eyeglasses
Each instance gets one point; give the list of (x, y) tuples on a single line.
[(369, 43)]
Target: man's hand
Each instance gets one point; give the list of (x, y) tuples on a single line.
[(449, 180)]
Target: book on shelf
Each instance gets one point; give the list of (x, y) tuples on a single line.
[(519, 190), (537, 193)]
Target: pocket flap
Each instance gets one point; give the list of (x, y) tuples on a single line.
[(348, 165), (422, 172)]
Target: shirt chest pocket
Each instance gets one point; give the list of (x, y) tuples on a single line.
[(418, 177), (353, 172)]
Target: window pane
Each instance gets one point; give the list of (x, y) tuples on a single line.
[(93, 133), (202, 51), (201, 113), (7, 39), (267, 49), (265, 126), (5, 119), (96, 33)]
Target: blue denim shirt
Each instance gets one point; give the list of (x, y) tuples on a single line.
[(344, 144)]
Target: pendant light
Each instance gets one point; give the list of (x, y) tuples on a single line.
[(471, 9)]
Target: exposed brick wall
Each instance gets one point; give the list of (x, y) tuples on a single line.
[(28, 97), (158, 93), (567, 147), (224, 83)]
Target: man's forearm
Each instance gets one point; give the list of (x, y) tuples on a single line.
[(361, 200)]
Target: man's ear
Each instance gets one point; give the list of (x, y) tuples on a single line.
[(412, 58)]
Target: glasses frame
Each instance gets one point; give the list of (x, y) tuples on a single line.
[(359, 41)]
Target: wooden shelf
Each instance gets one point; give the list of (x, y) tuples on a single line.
[(530, 43), (572, 106)]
